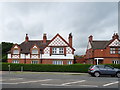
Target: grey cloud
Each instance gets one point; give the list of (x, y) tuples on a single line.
[(80, 18)]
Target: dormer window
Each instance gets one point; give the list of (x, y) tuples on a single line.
[(34, 51), (15, 51)]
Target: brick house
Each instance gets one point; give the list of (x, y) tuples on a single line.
[(103, 52), (80, 59), (54, 51)]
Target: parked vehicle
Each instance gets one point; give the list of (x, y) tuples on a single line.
[(97, 70)]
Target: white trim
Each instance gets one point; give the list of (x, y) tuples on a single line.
[(98, 58)]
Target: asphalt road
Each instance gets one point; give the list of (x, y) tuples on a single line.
[(56, 80)]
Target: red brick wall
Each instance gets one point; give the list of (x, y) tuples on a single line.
[(44, 61), (80, 60)]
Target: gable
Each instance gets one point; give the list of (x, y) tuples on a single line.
[(58, 42), (116, 42), (15, 46), (34, 46)]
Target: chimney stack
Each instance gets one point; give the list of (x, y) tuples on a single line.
[(44, 38), (115, 36), (70, 39), (90, 38), (26, 38)]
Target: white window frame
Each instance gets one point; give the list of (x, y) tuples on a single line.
[(61, 50), (34, 62), (69, 62), (34, 51), (58, 50), (54, 50), (15, 51), (58, 62), (15, 61), (112, 50), (116, 61)]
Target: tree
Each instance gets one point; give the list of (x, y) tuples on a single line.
[(6, 46)]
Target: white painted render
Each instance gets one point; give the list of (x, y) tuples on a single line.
[(9, 55), (44, 56), (68, 56), (115, 43), (15, 56), (22, 56)]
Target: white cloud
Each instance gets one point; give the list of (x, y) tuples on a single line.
[(80, 18)]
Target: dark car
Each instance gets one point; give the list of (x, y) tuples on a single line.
[(97, 70)]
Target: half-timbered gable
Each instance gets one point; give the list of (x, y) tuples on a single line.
[(101, 52), (54, 51)]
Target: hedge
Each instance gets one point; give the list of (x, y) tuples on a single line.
[(82, 68), (46, 68)]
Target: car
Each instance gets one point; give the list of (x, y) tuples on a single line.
[(98, 70)]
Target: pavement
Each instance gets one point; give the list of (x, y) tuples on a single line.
[(19, 79)]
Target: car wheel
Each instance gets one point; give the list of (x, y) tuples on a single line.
[(97, 74), (118, 74)]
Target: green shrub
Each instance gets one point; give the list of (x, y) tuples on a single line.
[(46, 68), (83, 68)]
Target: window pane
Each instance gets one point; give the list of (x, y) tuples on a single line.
[(34, 51), (15, 51), (34, 62), (15, 61)]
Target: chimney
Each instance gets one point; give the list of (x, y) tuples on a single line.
[(70, 39), (44, 38), (115, 36), (26, 38), (90, 38)]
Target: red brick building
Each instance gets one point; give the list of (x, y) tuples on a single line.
[(54, 51), (103, 52), (80, 59)]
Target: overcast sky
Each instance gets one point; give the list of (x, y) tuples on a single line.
[(82, 19)]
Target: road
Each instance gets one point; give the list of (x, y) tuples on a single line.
[(56, 80)]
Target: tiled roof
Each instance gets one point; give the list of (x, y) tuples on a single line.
[(99, 44), (26, 46)]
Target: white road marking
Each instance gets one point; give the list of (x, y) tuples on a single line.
[(15, 79), (69, 85), (8, 83), (54, 85), (11, 79), (89, 85), (73, 82), (35, 81), (111, 83)]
